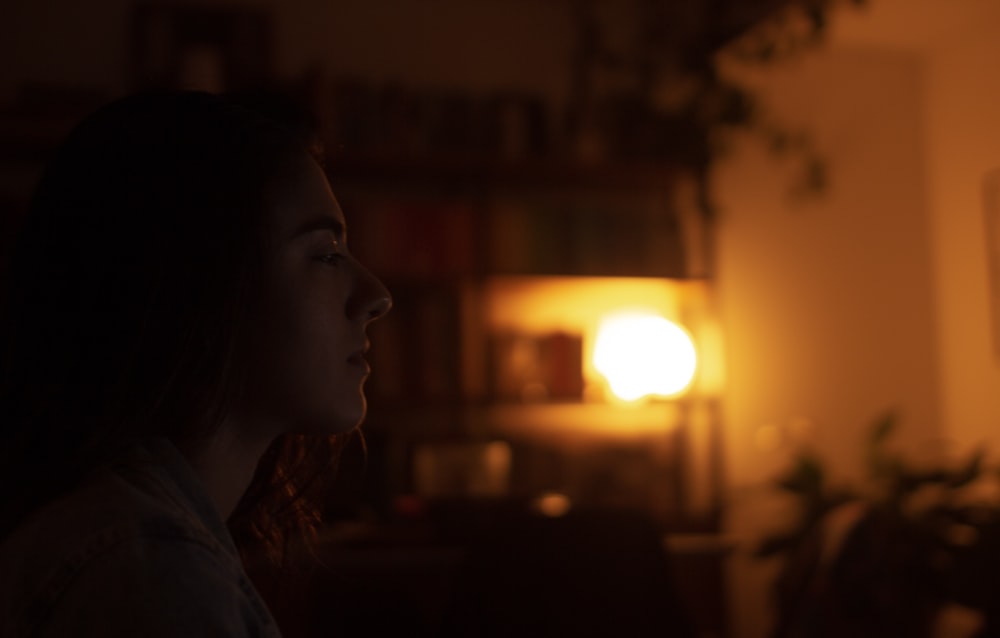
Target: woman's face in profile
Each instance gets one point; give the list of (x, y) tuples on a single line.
[(308, 353)]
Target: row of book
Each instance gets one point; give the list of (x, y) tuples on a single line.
[(364, 118), (417, 355), (571, 239), (425, 240)]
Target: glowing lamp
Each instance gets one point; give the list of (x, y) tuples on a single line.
[(643, 355)]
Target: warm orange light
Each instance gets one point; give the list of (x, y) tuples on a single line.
[(642, 355), (552, 504)]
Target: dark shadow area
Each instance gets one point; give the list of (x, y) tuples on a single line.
[(506, 571)]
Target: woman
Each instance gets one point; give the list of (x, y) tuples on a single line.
[(183, 332)]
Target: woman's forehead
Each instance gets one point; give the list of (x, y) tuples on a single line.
[(301, 201)]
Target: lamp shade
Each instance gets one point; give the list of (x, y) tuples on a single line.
[(644, 355)]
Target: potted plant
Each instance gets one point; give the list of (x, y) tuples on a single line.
[(888, 559)]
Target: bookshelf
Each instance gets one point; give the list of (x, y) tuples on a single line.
[(461, 242)]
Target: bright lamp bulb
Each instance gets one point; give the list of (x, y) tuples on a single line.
[(642, 355)]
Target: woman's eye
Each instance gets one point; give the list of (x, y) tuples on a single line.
[(330, 258), (330, 251)]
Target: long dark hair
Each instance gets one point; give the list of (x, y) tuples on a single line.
[(127, 295)]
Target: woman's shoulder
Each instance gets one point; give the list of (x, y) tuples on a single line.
[(139, 497), (148, 585), (126, 547)]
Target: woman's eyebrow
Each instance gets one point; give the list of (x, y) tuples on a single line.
[(323, 222)]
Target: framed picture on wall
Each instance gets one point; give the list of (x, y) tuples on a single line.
[(991, 210)]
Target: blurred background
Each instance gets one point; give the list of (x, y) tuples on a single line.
[(790, 207)]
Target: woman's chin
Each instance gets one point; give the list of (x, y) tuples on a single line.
[(345, 420), (329, 417)]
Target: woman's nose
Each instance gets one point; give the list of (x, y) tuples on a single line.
[(372, 299), (382, 303)]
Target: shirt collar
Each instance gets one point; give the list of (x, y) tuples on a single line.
[(181, 482)]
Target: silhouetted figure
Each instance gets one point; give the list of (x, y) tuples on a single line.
[(183, 340)]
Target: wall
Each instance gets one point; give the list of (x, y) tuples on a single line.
[(827, 303), (64, 43), (905, 98), (964, 144), (959, 51), (482, 45)]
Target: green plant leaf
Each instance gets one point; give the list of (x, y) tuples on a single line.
[(972, 470), (905, 482), (883, 428), (880, 467), (777, 544), (805, 477), (817, 16)]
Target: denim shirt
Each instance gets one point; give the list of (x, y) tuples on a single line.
[(137, 550)]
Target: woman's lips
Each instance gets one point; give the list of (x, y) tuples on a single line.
[(358, 358)]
